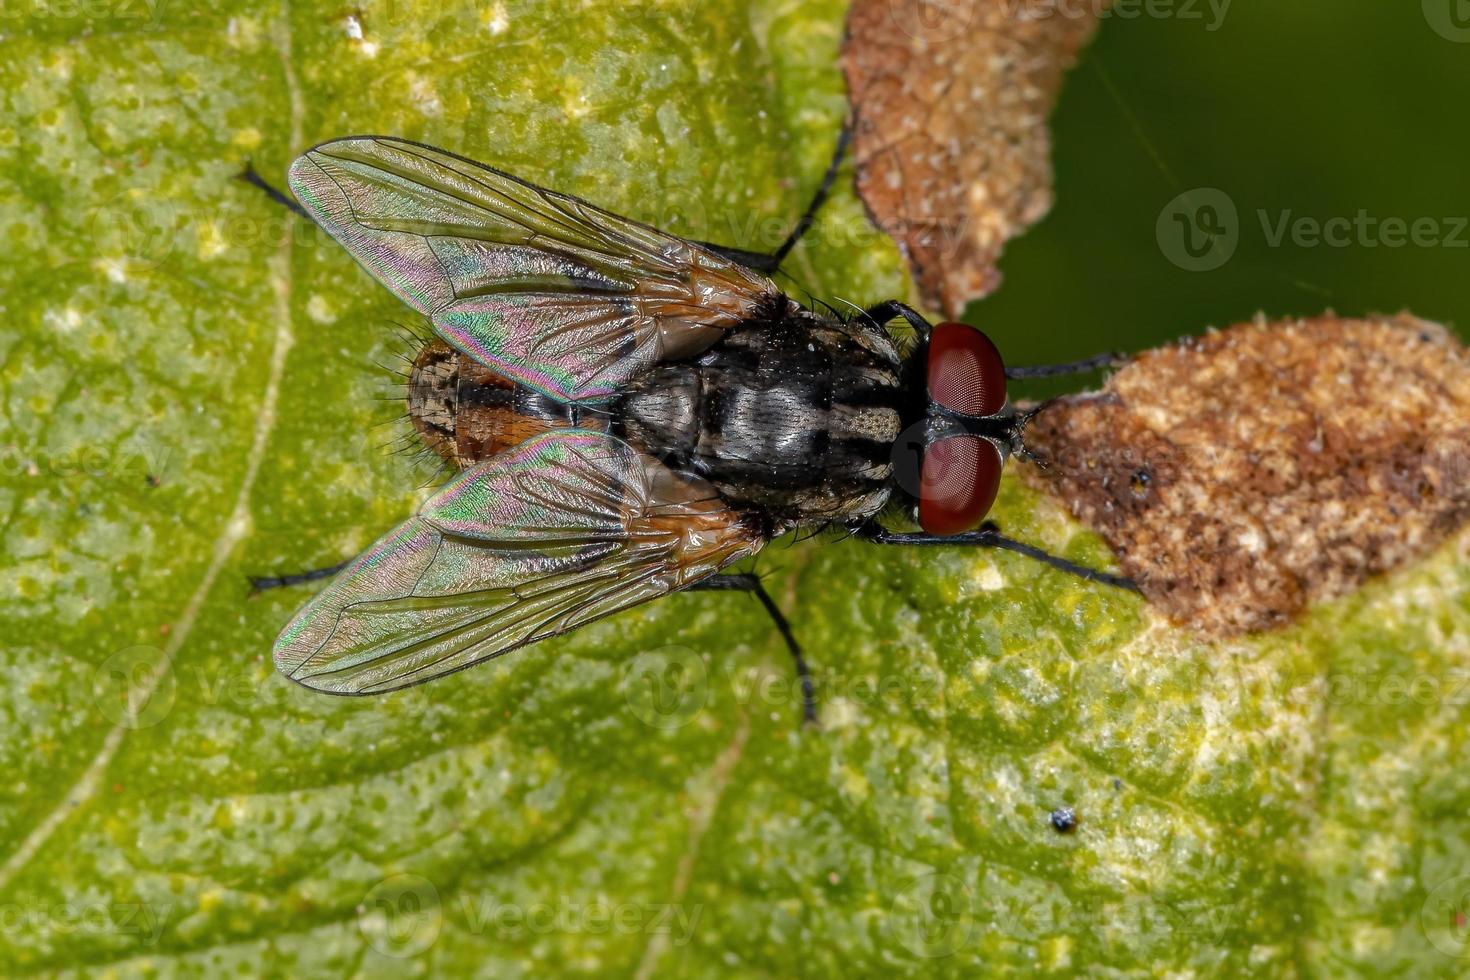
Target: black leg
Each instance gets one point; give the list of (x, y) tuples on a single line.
[(282, 581), (759, 261), (892, 310), (752, 584), (249, 176), (804, 224), (770, 263), (989, 537), (1101, 361)]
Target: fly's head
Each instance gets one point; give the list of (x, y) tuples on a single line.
[(969, 430)]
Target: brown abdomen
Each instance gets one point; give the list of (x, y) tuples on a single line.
[(467, 413)]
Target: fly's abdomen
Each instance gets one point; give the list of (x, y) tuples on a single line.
[(467, 413)]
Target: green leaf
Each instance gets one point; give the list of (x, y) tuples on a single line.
[(189, 389)]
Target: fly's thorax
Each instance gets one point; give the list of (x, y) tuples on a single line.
[(661, 411), (467, 413), (795, 417)]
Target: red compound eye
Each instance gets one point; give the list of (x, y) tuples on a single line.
[(961, 474), (966, 373), (958, 483)]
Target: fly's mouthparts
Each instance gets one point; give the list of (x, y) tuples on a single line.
[(1022, 421), (1005, 429)]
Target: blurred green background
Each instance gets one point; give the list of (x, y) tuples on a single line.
[(1317, 109)]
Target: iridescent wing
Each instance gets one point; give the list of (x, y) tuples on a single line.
[(563, 529), (545, 288)]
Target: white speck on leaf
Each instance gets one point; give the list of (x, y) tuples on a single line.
[(320, 309), (499, 21)]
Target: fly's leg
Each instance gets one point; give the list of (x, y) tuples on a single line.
[(769, 263), (764, 262), (264, 582), (803, 225), (249, 176), (892, 309), (1101, 362), (752, 584), (989, 537)]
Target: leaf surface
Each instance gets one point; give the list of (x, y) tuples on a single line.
[(188, 386)]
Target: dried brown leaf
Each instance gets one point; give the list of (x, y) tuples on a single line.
[(1245, 473), (950, 102)]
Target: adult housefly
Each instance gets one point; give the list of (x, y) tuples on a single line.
[(630, 413)]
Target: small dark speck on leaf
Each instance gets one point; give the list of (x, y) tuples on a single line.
[(1064, 820), (1141, 480)]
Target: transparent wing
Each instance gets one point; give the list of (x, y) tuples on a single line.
[(561, 530), (545, 288)]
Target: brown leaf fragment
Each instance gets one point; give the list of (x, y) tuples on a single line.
[(1248, 472), (950, 102)]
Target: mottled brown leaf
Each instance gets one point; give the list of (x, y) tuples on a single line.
[(1248, 472), (950, 103)]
